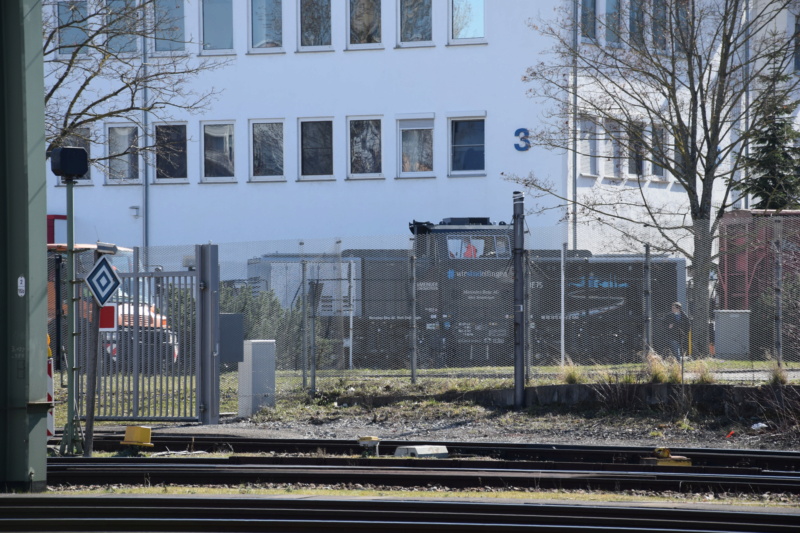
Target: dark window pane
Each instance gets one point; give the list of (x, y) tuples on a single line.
[(72, 26), (365, 146), (365, 21), (171, 151), (268, 149), (588, 18), (217, 25), (169, 25), (218, 147), (612, 21), (660, 24), (315, 22), (267, 24), (468, 145), (316, 139), (636, 22), (415, 21), (122, 25), (417, 150)]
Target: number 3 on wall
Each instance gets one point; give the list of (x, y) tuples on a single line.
[(525, 142)]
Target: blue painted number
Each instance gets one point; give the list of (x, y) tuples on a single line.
[(525, 142)]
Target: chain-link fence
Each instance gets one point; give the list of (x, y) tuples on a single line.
[(440, 304), (758, 313)]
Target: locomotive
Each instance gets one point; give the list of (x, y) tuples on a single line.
[(458, 283)]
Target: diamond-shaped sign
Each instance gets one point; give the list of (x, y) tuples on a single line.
[(103, 281)]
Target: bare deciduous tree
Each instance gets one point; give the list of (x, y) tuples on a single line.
[(124, 60), (663, 88)]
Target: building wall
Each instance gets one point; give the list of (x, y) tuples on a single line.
[(440, 81)]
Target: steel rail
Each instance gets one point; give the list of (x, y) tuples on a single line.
[(204, 514), (770, 460), (413, 473)]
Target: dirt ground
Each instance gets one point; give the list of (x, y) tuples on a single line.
[(434, 421)]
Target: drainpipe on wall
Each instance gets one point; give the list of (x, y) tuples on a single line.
[(575, 125), (146, 177)]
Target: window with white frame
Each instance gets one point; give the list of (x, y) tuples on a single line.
[(415, 20), (315, 24), (171, 152), (81, 138), (365, 147), (364, 23), (613, 153), (123, 152), (217, 25), (266, 25), (635, 140), (169, 26), (218, 161), (267, 156), (636, 23), (612, 22), (796, 41), (416, 147), (658, 147), (660, 24), (467, 146), (72, 26), (316, 149), (588, 147), (123, 25), (466, 21), (589, 19)]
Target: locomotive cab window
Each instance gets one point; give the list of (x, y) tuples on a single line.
[(482, 246)]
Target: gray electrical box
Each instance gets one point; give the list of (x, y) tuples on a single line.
[(732, 334), (257, 377)]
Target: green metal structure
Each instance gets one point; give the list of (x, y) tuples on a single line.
[(23, 269)]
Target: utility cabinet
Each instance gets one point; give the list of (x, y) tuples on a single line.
[(732, 334), (257, 377)]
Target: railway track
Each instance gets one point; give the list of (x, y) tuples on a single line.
[(206, 514), (473, 465), (770, 460)]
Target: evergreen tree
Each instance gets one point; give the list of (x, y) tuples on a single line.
[(773, 167)]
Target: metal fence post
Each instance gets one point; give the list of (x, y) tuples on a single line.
[(519, 300), (778, 238), (208, 316), (304, 323), (413, 264), (648, 302)]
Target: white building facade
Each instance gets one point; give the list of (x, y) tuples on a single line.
[(335, 118), (340, 118)]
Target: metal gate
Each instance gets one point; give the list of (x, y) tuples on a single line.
[(159, 363)]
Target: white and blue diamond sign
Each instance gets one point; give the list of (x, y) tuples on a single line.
[(103, 281)]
